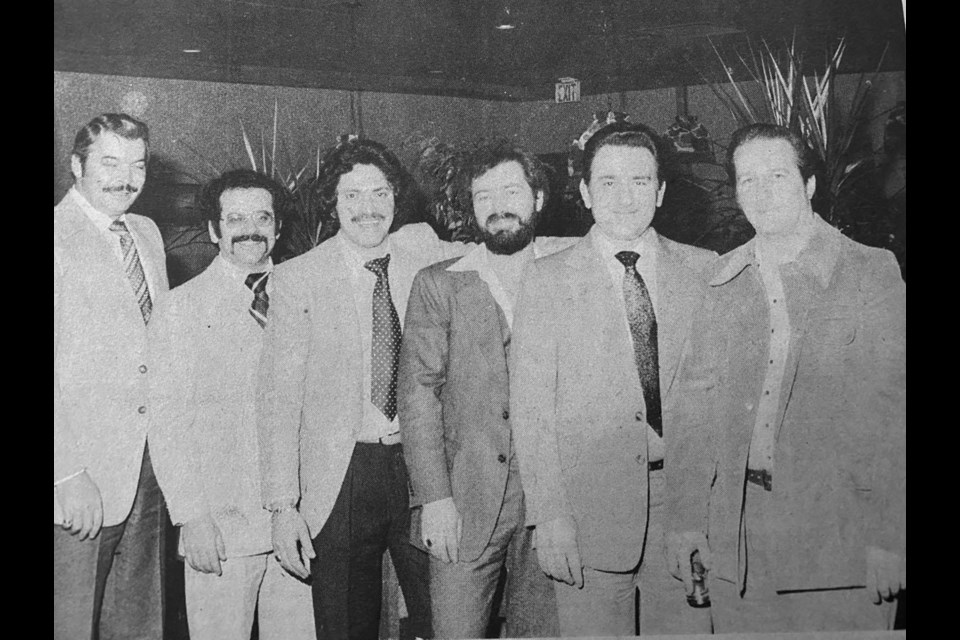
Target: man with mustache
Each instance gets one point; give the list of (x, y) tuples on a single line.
[(208, 337), (596, 342), (108, 275), (333, 471), (453, 402)]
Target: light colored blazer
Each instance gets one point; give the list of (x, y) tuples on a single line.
[(839, 480), (310, 391), (204, 436), (101, 361), (578, 412)]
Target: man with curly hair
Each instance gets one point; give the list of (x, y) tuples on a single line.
[(208, 337)]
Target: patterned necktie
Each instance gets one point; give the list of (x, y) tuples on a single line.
[(643, 329), (386, 342), (257, 282), (133, 268)]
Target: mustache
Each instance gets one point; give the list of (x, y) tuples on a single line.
[(128, 188), (255, 237), (502, 215)]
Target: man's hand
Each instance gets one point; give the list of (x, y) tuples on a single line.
[(82, 506), (441, 527), (558, 551), (679, 548), (886, 574), (291, 542), (203, 544)]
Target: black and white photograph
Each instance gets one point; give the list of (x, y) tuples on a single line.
[(457, 319)]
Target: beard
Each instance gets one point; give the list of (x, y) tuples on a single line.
[(507, 242)]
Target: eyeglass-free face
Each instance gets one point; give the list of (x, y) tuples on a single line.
[(365, 206)]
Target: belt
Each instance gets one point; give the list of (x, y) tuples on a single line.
[(761, 477), (393, 438), (655, 465)]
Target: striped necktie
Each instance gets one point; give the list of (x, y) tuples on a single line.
[(643, 330), (257, 282), (133, 268)]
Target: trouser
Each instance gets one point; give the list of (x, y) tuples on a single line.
[(606, 605), (371, 515), (111, 586), (222, 607), (763, 609), (462, 593)]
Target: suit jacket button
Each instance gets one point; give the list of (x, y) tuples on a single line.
[(501, 458), (142, 409), (639, 415), (506, 414), (640, 459)]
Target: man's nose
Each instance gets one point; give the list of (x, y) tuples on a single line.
[(624, 195)]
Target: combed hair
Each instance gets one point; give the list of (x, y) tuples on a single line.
[(117, 123), (806, 159), (341, 160), (209, 200), (624, 134)]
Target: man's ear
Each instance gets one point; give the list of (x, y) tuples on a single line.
[(538, 201), (585, 194), (76, 166), (660, 192), (214, 238), (811, 186)]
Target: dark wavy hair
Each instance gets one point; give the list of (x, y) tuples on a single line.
[(341, 160), (492, 155), (806, 158), (625, 134), (120, 124), (209, 199)]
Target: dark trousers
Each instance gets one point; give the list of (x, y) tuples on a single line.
[(371, 515), (111, 587)]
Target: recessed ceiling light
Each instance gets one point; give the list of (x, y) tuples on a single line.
[(505, 27), (191, 50)]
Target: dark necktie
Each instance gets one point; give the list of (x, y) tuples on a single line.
[(133, 268), (385, 357), (257, 282), (643, 329)]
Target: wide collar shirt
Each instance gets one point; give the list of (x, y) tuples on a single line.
[(374, 424), (646, 246), (102, 222), (479, 259)]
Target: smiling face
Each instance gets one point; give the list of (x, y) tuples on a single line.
[(505, 207), (624, 191), (113, 174), (770, 189), (248, 230), (365, 206)]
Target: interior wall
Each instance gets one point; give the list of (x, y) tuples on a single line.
[(206, 116)]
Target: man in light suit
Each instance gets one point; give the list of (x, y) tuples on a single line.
[(207, 339), (333, 469), (108, 273), (596, 342), (790, 457), (454, 409)]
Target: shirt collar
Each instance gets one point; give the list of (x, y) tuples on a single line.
[(478, 258), (100, 220), (238, 274), (817, 257), (645, 245), (353, 257)]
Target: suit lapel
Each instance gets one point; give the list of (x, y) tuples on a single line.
[(678, 296), (479, 310)]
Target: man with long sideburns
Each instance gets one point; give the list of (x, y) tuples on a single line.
[(596, 342), (454, 408), (109, 272), (208, 337), (789, 463)]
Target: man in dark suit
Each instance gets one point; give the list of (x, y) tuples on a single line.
[(453, 399), (108, 274), (595, 348), (790, 457)]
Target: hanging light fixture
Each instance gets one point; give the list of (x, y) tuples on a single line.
[(505, 20)]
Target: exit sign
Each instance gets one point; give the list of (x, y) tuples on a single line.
[(567, 90)]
